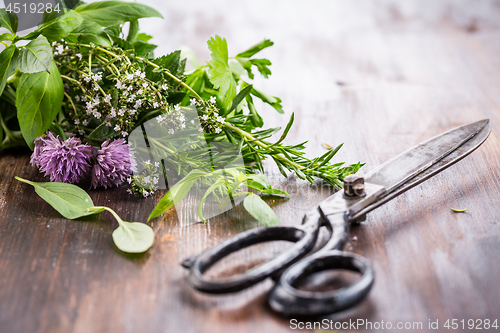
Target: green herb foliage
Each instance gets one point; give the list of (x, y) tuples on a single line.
[(259, 209), (83, 55), (72, 202), (38, 101), (69, 200)]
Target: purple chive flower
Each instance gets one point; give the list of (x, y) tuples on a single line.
[(64, 161), (113, 165)]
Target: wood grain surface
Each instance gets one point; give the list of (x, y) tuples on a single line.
[(380, 76)]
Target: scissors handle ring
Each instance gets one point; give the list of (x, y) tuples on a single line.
[(285, 298), (304, 239)]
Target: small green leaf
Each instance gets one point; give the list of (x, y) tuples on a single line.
[(260, 210), (253, 116), (220, 73), (143, 48), (36, 56), (144, 37), (89, 32), (59, 28), (255, 49), (176, 193), (171, 62), (275, 102), (69, 200), (107, 13), (8, 20), (8, 65), (241, 95), (261, 64), (38, 100), (287, 129), (273, 191), (6, 36), (459, 210), (133, 237), (261, 179)]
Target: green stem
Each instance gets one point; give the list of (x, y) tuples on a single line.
[(120, 221), (90, 63), (71, 101), (182, 83), (73, 80)]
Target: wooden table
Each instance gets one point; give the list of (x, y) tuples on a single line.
[(380, 76)]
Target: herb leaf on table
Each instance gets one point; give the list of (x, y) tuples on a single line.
[(72, 202)]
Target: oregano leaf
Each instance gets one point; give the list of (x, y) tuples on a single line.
[(133, 237), (261, 211), (176, 193), (69, 200)]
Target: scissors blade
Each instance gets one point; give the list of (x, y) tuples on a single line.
[(407, 165), (423, 161)]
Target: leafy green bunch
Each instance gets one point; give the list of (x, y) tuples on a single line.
[(91, 73)]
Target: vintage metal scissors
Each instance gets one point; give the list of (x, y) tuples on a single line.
[(360, 196)]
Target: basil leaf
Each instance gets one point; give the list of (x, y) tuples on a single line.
[(6, 36), (69, 200), (8, 65), (38, 100), (106, 13), (36, 56), (59, 28), (89, 32), (260, 210), (8, 20), (133, 237), (220, 73)]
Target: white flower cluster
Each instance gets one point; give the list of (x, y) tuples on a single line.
[(59, 48), (210, 120), (135, 94), (174, 119), (146, 183)]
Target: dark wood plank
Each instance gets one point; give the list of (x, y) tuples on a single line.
[(379, 76)]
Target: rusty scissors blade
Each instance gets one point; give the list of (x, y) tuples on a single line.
[(360, 195)]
